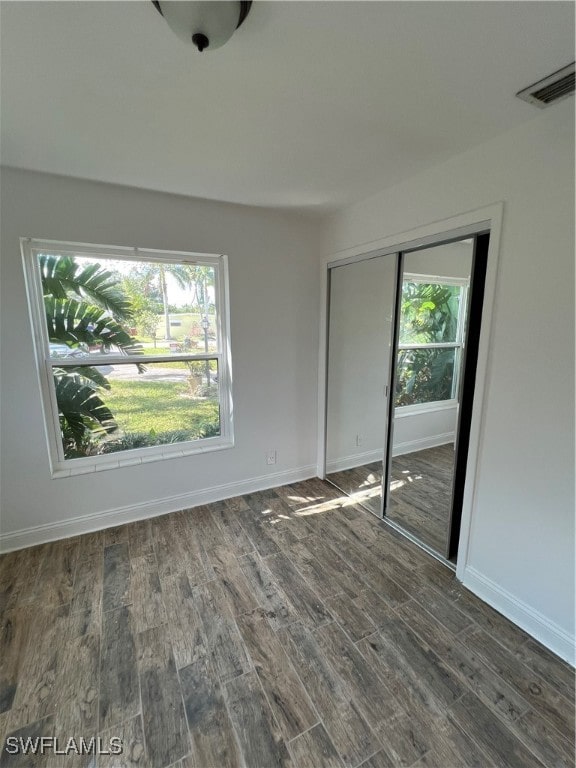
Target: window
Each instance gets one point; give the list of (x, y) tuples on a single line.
[(431, 338), (133, 353)]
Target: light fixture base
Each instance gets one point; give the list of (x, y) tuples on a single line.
[(207, 24)]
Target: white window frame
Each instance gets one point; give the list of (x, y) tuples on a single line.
[(61, 467), (458, 344)]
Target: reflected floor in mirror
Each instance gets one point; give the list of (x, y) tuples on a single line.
[(420, 491), (421, 494)]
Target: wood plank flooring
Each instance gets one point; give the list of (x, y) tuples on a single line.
[(284, 628), (420, 491)]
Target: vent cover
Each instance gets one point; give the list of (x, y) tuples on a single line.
[(551, 89)]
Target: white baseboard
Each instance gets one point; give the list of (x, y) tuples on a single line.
[(64, 529), (356, 460), (410, 446), (527, 618)]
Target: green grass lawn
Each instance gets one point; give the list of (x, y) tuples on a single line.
[(190, 326), (159, 406)]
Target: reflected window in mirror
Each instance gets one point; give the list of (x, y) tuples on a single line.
[(431, 339)]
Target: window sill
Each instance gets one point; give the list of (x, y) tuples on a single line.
[(88, 466), (414, 410)]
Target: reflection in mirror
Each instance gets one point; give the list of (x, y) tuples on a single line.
[(432, 326), (361, 309)]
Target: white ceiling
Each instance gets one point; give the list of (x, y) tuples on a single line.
[(311, 105)]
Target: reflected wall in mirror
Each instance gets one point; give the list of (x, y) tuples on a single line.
[(360, 338), (429, 357)]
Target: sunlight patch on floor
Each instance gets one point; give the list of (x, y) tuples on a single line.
[(325, 506)]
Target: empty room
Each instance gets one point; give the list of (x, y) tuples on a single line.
[(287, 384)]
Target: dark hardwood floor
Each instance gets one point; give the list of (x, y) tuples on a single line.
[(282, 628), (420, 492)]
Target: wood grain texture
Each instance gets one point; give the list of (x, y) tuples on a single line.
[(140, 538), (225, 514), (480, 613), (327, 573), (237, 590), (255, 528), (492, 690), (178, 550), (356, 622), (88, 586), (496, 741), (15, 631), (340, 714), (548, 666), (34, 698), (449, 744), (423, 670), (147, 602), (56, 575), (443, 609), (274, 517), (362, 683), (165, 729), (266, 589), (185, 625), (314, 749), (133, 753), (543, 740), (382, 760), (37, 729), (225, 648), (256, 729), (119, 687), (116, 589), (289, 627), (540, 695), (304, 600), (76, 687), (213, 738), (284, 690), (375, 607), (116, 535), (403, 680)]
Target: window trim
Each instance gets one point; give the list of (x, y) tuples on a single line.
[(458, 344), (61, 467)]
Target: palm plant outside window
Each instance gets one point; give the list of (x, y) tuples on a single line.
[(431, 338), (132, 349)]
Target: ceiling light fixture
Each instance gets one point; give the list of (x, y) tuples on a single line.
[(207, 25)]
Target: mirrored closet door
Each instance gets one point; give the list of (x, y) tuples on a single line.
[(432, 321), (403, 332), (360, 344)]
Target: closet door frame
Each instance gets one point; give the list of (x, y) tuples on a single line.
[(468, 224)]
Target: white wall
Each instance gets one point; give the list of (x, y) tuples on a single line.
[(418, 431), (521, 549), (274, 318), (447, 260)]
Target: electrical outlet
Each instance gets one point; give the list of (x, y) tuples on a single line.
[(271, 456), (358, 439)]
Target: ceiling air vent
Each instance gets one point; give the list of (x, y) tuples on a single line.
[(551, 89)]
